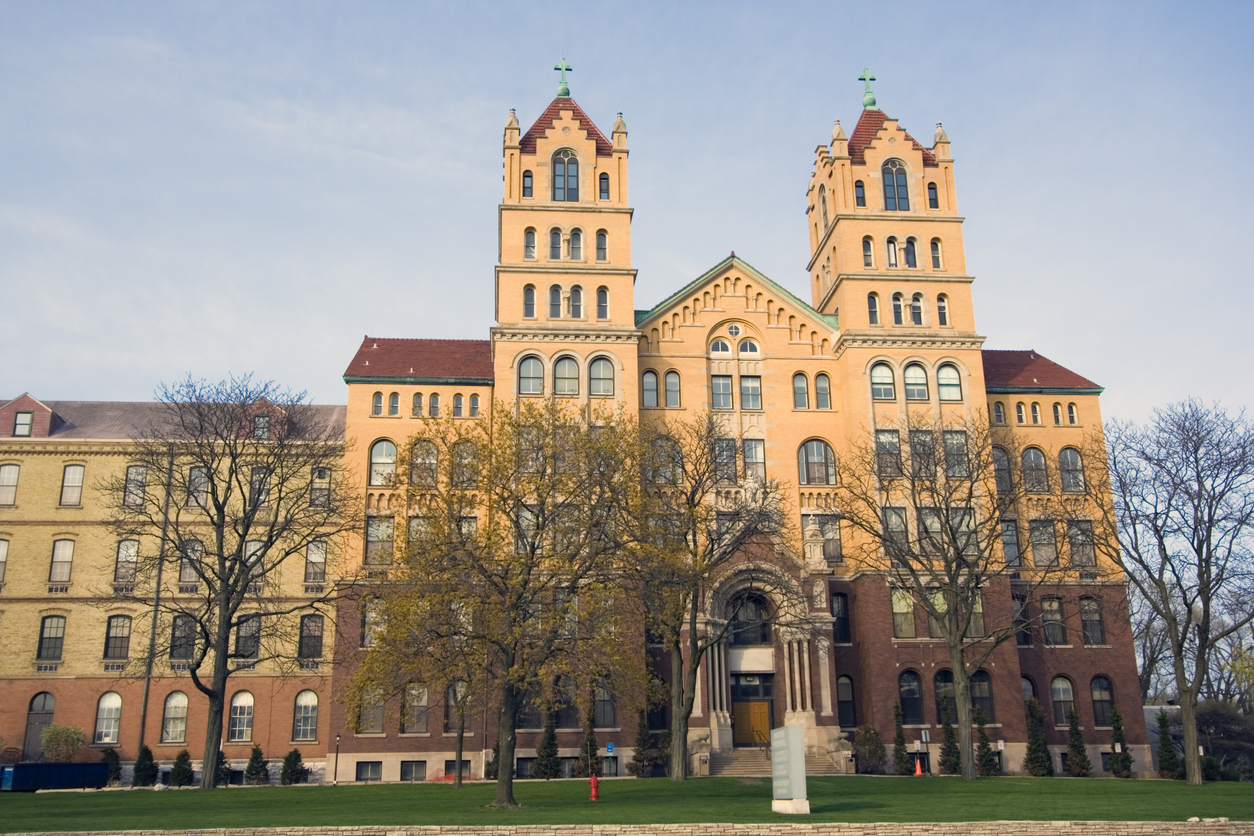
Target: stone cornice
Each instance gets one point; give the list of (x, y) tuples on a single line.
[(892, 340), (568, 207), (58, 447), (615, 335), (540, 267)]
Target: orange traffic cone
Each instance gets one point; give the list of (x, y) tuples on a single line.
[(918, 766)]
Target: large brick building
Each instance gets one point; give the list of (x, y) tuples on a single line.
[(890, 327)]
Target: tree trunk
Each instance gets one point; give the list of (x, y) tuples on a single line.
[(962, 701), (681, 705), (461, 740), (506, 737), (213, 722), (1188, 717)]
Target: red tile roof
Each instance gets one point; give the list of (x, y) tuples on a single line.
[(864, 134), (463, 360), (1029, 370), (527, 145)]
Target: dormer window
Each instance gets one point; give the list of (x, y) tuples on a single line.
[(896, 192), (261, 427), (565, 176), (526, 184), (22, 424)]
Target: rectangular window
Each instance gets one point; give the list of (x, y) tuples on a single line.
[(248, 637), (526, 184), (371, 621), (259, 487), (51, 638), (254, 555), (414, 771), (975, 628), (829, 527), (956, 466), (320, 487), (931, 531), (8, 484), (72, 484), (310, 646), (750, 392), (198, 487), (183, 638), (21, 424), (1080, 538), (62, 561), (1091, 623), (526, 539), (127, 561), (1044, 543), (239, 728), (369, 770), (725, 459), (888, 453), (754, 451), (840, 618), (193, 552), (4, 558), (118, 637), (261, 427), (922, 454), (1010, 542), (896, 536), (414, 711), (903, 614), (316, 561), (721, 386), (1019, 612), (963, 522), (379, 544), (136, 486), (1051, 618), (935, 629)]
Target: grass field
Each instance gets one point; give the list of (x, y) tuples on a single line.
[(852, 799)]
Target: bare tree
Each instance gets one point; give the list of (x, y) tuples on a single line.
[(232, 492), (699, 515), (931, 500), (1149, 637), (1182, 528)]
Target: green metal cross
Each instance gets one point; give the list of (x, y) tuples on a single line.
[(563, 91), (868, 98)]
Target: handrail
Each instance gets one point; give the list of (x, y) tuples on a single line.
[(763, 741)]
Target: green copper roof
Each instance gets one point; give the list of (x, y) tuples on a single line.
[(644, 316), (868, 98), (563, 90)]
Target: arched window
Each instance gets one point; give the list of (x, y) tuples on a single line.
[(912, 260), (933, 202), (529, 244), (305, 716), (822, 392), (417, 408), (240, 726), (39, 716), (896, 195), (1028, 687), (720, 346), (859, 194), (174, 718), (458, 401), (846, 715), (576, 245), (566, 377), (816, 464), (424, 464), (999, 413), (474, 406), (747, 347), (555, 302), (823, 205), (603, 246), (1073, 416), (601, 377), (376, 404), (942, 311), (526, 184), (1021, 414), (1071, 470), (394, 404), (910, 695), (949, 383), (750, 620), (882, 388), (1103, 700), (873, 308), (1001, 470), (565, 176), (555, 244), (530, 377), (108, 718), (1064, 699), (649, 387), (603, 303), (382, 463), (1036, 413), (118, 637), (915, 378), (1057, 415), (1035, 476), (800, 392), (672, 390), (936, 254), (943, 686), (433, 405), (916, 309), (868, 258), (576, 300), (891, 248), (898, 316), (604, 181), (982, 695)]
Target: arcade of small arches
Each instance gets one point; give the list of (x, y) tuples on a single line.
[(912, 311), (1035, 471), (1024, 412), (566, 303), (565, 373), (902, 253), (566, 246), (916, 382), (463, 407)]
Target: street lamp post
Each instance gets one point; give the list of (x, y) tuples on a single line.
[(335, 770)]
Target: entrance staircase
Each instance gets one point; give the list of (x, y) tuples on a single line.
[(755, 762)]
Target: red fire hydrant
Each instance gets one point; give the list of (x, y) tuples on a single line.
[(595, 783)]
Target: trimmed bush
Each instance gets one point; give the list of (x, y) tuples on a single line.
[(293, 771), (110, 756), (145, 774), (222, 776), (181, 774), (61, 744), (258, 769), (868, 748)]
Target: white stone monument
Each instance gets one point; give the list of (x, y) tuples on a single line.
[(788, 770)]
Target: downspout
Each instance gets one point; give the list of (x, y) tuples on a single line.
[(156, 600)]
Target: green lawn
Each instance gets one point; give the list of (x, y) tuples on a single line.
[(854, 799)]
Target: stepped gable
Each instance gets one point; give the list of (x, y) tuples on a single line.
[(426, 359), (527, 145), (1029, 370), (864, 134)]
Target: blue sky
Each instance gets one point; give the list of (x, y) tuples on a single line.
[(231, 187)]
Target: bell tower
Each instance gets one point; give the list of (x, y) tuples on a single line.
[(564, 277)]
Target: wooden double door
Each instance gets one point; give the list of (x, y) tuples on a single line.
[(753, 708)]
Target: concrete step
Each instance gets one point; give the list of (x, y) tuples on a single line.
[(749, 762)]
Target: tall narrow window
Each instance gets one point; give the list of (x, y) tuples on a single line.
[(1064, 699), (1080, 540), (433, 405), (1051, 618), (868, 259), (672, 390), (566, 377), (840, 618), (910, 694), (240, 727), (754, 452), (108, 718), (800, 392), (888, 453), (1073, 418), (555, 302), (526, 184), (530, 377), (601, 377), (604, 181), (474, 406), (725, 459), (896, 195), (942, 311), (565, 176), (51, 638), (1021, 413), (463, 470), (1057, 415), (414, 710), (949, 383), (956, 461), (1071, 470), (248, 637), (882, 388), (1044, 543), (859, 194), (649, 389), (529, 311), (379, 542), (1023, 631), (118, 637), (982, 695), (822, 391), (127, 560), (183, 638), (320, 487), (8, 484), (394, 404), (576, 245), (72, 484), (1092, 625), (305, 716), (943, 687), (136, 486), (999, 413), (936, 254), (529, 244), (603, 303), (316, 561), (1010, 542), (602, 246), (823, 205), (912, 259), (174, 718), (721, 391), (933, 202), (896, 546), (4, 558), (62, 561), (382, 463), (1035, 476), (458, 404), (1036, 413), (576, 302), (376, 404), (310, 643), (555, 245), (873, 308), (891, 248), (1103, 700), (750, 392), (915, 378), (916, 309), (846, 715), (898, 316)]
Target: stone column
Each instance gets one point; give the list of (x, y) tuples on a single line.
[(825, 684)]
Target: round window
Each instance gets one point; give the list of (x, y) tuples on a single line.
[(734, 330)]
